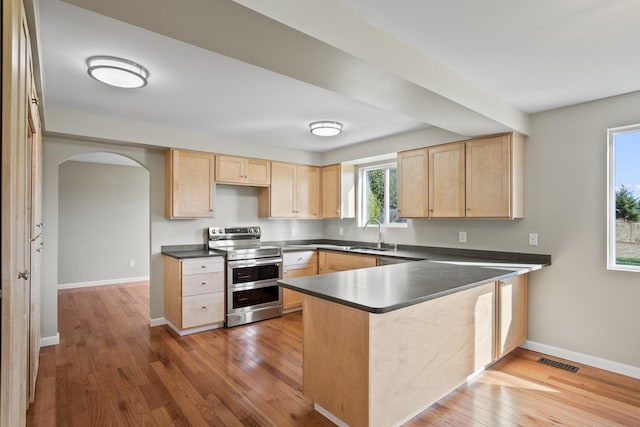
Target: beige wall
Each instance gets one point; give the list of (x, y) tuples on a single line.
[(103, 222), (576, 304), (237, 206)]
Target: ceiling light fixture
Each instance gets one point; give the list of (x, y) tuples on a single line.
[(117, 72), (325, 128)]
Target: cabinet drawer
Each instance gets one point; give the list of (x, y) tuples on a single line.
[(202, 283), (302, 259), (198, 310), (202, 265)]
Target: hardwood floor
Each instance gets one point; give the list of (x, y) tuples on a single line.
[(111, 369)]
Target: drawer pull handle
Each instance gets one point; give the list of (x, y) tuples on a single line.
[(204, 266), (203, 283), (204, 307)]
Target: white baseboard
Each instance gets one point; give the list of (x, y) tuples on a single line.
[(608, 365), (103, 282), (183, 332), (47, 341), (158, 322)]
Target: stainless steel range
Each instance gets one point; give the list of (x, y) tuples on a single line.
[(252, 274)]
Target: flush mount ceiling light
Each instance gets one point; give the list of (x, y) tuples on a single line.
[(117, 72), (325, 128)]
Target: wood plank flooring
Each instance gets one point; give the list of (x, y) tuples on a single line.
[(111, 369)]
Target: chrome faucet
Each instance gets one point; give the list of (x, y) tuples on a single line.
[(375, 221)]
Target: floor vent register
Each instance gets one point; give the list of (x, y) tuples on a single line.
[(557, 364)]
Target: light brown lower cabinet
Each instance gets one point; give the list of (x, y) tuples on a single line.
[(329, 262), (297, 264), (511, 314), (193, 293)]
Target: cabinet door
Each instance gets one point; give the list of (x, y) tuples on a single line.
[(512, 314), (258, 172), (292, 299), (489, 178), (307, 203), (412, 184), (230, 169), (336, 261), (447, 181), (331, 191), (190, 184), (283, 177)]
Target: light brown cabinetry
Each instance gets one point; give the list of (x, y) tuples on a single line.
[(338, 191), (294, 192), (329, 262), (477, 178), (495, 177), (511, 314), (447, 181), (413, 200), (242, 170), (189, 184), (193, 292), (21, 218), (297, 264)]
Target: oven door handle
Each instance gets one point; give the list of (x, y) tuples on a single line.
[(254, 262)]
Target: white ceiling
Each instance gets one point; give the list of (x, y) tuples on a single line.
[(379, 67)]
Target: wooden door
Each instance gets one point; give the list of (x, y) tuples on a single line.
[(15, 229), (230, 169), (34, 159), (258, 172), (412, 184), (488, 164), (282, 194), (307, 192), (192, 189), (447, 181), (330, 176)]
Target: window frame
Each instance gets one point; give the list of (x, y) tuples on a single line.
[(362, 170), (611, 198)]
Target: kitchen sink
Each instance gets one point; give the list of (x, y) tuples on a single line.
[(366, 248)]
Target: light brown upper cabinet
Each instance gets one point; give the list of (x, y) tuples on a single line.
[(447, 181), (338, 191), (294, 192), (243, 171), (477, 178), (413, 198), (495, 177), (189, 184)]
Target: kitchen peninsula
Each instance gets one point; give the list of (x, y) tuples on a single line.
[(382, 344)]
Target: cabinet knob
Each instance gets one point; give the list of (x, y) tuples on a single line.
[(24, 275), (204, 307), (203, 283), (35, 101), (203, 266)]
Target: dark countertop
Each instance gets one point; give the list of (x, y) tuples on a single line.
[(434, 272), (390, 287), (189, 251)]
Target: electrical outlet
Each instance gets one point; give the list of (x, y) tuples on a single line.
[(341, 231), (533, 239), (462, 237), (132, 263)]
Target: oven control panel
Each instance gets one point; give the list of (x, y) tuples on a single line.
[(234, 233)]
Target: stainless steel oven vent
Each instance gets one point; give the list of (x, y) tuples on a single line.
[(557, 364)]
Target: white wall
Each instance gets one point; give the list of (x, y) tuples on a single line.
[(101, 207), (576, 304)]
